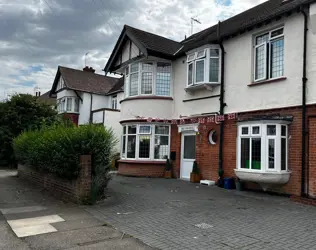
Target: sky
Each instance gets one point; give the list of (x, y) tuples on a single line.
[(38, 35)]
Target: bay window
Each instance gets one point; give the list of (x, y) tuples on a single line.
[(269, 55), (145, 142), (148, 78), (68, 105), (262, 147), (203, 66)]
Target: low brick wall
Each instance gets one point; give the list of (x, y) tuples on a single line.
[(141, 169), (78, 190)]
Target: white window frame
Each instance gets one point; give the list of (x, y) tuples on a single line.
[(64, 101), (152, 135), (267, 71), (206, 57), (264, 146), (140, 80), (114, 102)]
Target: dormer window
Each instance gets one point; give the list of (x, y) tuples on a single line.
[(148, 78), (203, 67)]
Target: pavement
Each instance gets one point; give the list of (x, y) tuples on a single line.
[(174, 214), (30, 218)]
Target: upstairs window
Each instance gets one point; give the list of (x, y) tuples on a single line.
[(114, 102), (148, 78), (203, 66), (68, 105), (269, 55)]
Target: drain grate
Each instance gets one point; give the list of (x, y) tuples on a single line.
[(204, 226)]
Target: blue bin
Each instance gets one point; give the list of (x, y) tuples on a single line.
[(229, 183)]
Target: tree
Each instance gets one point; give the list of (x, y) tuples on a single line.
[(20, 113)]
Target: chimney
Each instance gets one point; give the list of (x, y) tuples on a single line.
[(88, 69)]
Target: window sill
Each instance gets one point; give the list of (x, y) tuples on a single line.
[(203, 85), (158, 162), (267, 81), (265, 179), (145, 97)]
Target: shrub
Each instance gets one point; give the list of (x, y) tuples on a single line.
[(57, 150)]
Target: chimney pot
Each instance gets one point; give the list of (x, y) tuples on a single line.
[(88, 69)]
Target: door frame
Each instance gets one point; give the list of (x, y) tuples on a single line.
[(182, 150)]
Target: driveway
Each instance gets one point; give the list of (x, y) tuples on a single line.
[(173, 214), (30, 218)]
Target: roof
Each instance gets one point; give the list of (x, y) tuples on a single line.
[(242, 22), (47, 98), (153, 42), (85, 81), (118, 87)]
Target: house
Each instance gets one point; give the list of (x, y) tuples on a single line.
[(47, 98), (86, 97), (237, 97)]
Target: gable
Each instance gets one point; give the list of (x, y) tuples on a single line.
[(129, 51)]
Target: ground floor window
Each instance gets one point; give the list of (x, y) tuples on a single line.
[(68, 105), (263, 146), (146, 142)]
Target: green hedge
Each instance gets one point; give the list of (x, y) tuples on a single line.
[(57, 150)]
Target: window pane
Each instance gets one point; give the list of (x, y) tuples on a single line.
[(134, 68), (190, 74), (76, 105), (144, 129), (283, 130), (161, 147), (132, 129), (189, 147), (261, 39), (277, 33), (283, 153), (199, 76), (123, 146), (162, 130), (277, 58), (214, 52), (214, 69), (63, 105), (191, 57), (201, 54), (256, 130), (134, 84), (245, 151), (256, 153), (131, 146), (124, 130), (271, 153), (147, 82), (260, 62), (244, 131), (271, 130), (163, 79), (147, 67), (144, 146), (69, 104)]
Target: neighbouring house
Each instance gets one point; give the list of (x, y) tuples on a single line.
[(47, 98), (86, 97), (238, 97)]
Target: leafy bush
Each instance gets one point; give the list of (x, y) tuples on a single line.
[(20, 113), (57, 150)]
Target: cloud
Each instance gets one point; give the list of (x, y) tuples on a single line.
[(38, 35)]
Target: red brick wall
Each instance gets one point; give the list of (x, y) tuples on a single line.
[(78, 190), (141, 169), (207, 155)]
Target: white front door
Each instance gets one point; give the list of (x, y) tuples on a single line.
[(188, 147)]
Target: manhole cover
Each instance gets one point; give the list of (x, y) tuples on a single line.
[(204, 226)]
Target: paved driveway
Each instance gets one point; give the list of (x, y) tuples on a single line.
[(173, 214)]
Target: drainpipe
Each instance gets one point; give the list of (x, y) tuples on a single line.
[(222, 104), (91, 100), (304, 81)]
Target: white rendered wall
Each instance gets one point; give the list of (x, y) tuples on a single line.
[(111, 120), (84, 109)]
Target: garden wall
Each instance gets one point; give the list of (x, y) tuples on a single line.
[(77, 190)]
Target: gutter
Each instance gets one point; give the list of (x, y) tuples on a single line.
[(304, 81), (222, 105)]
